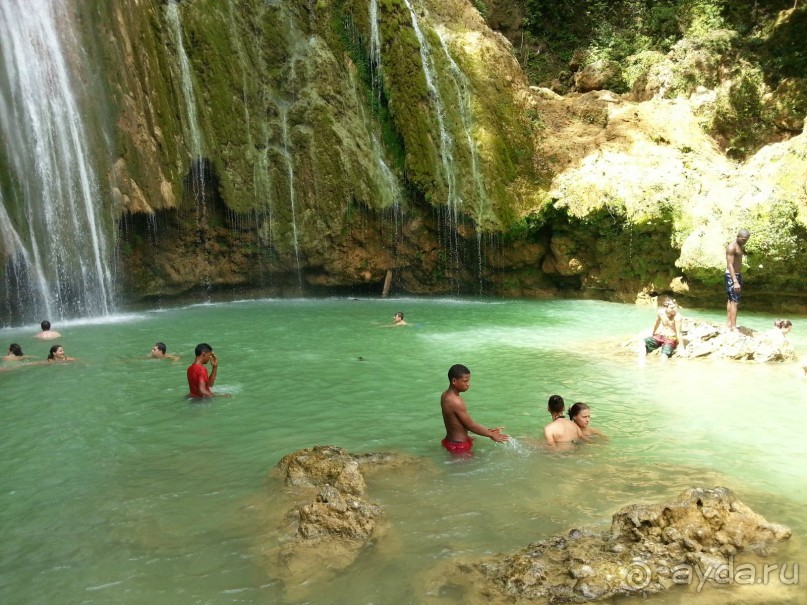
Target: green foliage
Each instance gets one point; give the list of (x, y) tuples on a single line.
[(482, 7), (738, 113)]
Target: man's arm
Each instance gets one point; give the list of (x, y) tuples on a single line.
[(214, 372), (550, 439), (461, 413), (204, 388), (655, 325), (731, 254)]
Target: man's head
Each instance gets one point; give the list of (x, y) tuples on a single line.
[(159, 349), (45, 325), (555, 404), (671, 307), (460, 377), (742, 236), (202, 348), (15, 350)]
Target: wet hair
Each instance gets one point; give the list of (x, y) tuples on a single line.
[(556, 404), (783, 323), (53, 350), (576, 409), (45, 325), (202, 348), (15, 349), (161, 346), (399, 314), (457, 371)]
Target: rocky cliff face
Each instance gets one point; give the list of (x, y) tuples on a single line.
[(306, 147)]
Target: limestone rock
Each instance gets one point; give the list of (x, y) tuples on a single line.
[(646, 550), (326, 535), (704, 339)]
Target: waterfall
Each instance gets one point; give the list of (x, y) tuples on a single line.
[(375, 49), (446, 142), (54, 230), (286, 152), (461, 86), (194, 132)]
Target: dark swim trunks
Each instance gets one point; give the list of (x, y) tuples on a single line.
[(734, 295), (459, 447)]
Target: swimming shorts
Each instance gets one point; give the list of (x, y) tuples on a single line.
[(734, 295), (651, 343), (458, 447)]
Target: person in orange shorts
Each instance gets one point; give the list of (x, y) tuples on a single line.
[(456, 418)]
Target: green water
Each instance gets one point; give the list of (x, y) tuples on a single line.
[(115, 489)]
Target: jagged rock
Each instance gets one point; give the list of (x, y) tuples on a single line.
[(648, 549), (598, 76), (706, 339), (326, 535)]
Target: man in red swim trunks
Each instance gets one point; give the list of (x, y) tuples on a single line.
[(456, 418)]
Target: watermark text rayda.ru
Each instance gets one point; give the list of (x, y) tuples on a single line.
[(638, 575)]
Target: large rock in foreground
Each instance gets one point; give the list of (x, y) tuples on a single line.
[(648, 549), (331, 520)]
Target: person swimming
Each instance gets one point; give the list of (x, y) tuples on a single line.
[(159, 351), (14, 353), (561, 431), (580, 414), (57, 354)]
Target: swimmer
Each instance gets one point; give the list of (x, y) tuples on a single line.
[(47, 333), (561, 431), (397, 320), (580, 414), (456, 418), (158, 351), (57, 354), (15, 353)]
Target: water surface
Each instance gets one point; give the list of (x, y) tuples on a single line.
[(115, 489)]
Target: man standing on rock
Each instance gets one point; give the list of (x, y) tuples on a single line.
[(733, 277)]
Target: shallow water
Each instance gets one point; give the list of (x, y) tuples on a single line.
[(115, 489)]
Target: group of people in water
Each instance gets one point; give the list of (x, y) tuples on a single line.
[(199, 380), (55, 354), (561, 432)]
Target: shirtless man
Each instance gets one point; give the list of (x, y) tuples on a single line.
[(47, 333), (456, 418), (561, 431), (666, 330), (733, 277), (159, 351), (398, 319)]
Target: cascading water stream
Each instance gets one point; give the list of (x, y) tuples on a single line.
[(466, 117), (53, 204), (375, 50), (194, 133), (446, 142), (286, 152)]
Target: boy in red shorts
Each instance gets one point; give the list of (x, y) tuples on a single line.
[(456, 418)]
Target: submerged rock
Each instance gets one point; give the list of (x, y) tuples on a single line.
[(648, 549)]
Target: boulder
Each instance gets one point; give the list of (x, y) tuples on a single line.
[(704, 339), (648, 549), (330, 521)]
